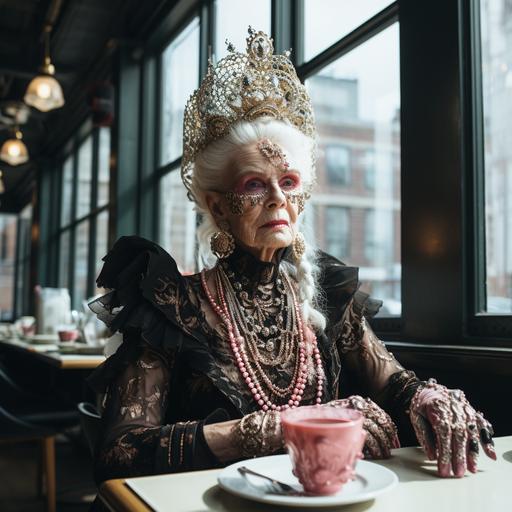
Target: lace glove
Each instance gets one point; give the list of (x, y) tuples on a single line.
[(258, 434), (381, 432), (449, 429)]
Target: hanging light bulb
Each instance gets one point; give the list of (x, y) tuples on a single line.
[(14, 151), (44, 92), (2, 186)]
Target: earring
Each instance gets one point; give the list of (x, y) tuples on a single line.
[(222, 244), (298, 247)]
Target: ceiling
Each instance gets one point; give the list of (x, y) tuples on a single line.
[(83, 38)]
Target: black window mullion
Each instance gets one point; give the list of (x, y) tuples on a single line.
[(91, 254)]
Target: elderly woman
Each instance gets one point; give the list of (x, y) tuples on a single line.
[(208, 361)]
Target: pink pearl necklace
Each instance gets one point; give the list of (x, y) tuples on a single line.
[(249, 373)]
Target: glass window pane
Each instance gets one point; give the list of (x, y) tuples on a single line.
[(8, 226), (233, 18), (357, 109), (103, 166), (84, 178), (177, 222), (67, 191), (101, 242), (337, 231), (180, 77), (496, 31), (64, 260), (327, 21), (81, 254)]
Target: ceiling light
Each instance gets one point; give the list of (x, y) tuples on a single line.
[(14, 151), (44, 92)]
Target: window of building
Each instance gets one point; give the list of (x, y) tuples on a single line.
[(180, 75), (337, 164), (82, 234), (357, 109), (8, 230), (327, 21), (233, 18), (337, 232), (496, 55)]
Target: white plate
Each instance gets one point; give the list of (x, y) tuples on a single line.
[(371, 480)]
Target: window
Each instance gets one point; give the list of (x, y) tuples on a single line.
[(67, 192), (104, 167), (368, 168), (337, 231), (80, 263), (82, 233), (8, 227), (23, 251), (180, 75), (177, 222), (233, 19), (357, 109), (84, 178), (496, 51), (337, 164), (327, 21)]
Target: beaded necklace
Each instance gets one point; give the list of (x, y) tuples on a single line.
[(245, 332)]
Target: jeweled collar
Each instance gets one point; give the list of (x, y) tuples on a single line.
[(251, 271)]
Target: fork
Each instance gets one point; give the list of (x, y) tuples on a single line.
[(277, 486)]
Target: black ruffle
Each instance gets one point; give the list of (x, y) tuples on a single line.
[(149, 298)]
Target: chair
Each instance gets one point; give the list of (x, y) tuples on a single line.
[(32, 408), (15, 430), (90, 420)]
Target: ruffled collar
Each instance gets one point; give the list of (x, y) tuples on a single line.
[(249, 270)]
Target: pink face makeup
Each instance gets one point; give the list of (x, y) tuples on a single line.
[(255, 189)]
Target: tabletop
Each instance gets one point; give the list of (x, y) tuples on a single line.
[(49, 354), (419, 490)]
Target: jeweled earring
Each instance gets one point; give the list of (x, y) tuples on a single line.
[(222, 244), (298, 246)]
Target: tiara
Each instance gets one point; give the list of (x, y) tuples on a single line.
[(243, 87)]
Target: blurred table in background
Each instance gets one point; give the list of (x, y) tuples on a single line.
[(50, 354)]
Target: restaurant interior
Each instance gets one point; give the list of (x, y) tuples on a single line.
[(412, 102)]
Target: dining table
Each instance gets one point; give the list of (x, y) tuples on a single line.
[(419, 489), (53, 355)]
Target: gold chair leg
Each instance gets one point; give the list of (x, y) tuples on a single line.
[(48, 445)]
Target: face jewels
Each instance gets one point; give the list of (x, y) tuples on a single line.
[(273, 153), (237, 203)]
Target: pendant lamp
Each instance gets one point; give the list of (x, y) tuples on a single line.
[(44, 92), (14, 151)]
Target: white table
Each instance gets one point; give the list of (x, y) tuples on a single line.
[(419, 490)]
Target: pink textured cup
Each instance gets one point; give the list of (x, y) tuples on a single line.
[(324, 444)]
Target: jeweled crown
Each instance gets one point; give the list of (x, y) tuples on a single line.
[(243, 86)]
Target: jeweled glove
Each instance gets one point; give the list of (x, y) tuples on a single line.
[(449, 429), (259, 433), (381, 432)]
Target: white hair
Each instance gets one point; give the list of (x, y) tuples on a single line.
[(209, 167)]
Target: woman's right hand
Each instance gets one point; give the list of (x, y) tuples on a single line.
[(381, 432)]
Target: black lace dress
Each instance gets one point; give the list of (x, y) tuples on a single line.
[(174, 371)]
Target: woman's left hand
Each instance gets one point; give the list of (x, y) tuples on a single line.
[(449, 429)]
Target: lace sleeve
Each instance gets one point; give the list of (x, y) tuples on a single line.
[(136, 441), (367, 360)]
